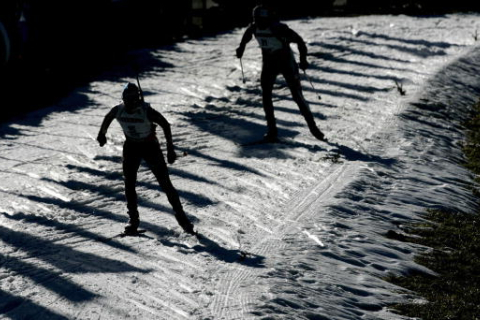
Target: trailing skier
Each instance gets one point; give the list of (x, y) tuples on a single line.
[(274, 39), (138, 120)]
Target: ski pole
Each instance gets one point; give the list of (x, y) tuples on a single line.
[(311, 83), (241, 66)]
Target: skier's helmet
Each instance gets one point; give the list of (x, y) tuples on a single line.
[(130, 93), (262, 16), (261, 12)]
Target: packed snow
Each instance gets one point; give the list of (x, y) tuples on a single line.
[(293, 230)]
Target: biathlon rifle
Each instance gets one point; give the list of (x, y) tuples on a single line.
[(140, 89)]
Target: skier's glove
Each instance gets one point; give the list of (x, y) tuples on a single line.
[(303, 64), (171, 156), (239, 52), (102, 139)]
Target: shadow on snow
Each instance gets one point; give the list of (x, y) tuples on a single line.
[(220, 253)]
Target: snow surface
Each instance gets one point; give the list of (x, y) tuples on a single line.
[(291, 231)]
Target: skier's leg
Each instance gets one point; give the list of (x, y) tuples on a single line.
[(292, 77), (131, 163), (267, 80), (172, 195), (156, 162)]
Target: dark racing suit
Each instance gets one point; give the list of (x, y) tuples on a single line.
[(274, 40), (142, 143)]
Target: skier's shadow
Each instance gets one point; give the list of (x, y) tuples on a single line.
[(211, 247), (354, 155), (347, 153)]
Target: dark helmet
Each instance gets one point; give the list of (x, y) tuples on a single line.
[(130, 92), (264, 16), (261, 12)]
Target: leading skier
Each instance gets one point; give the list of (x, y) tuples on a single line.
[(137, 120), (274, 39)]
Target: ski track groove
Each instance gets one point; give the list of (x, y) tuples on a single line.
[(232, 279), (179, 297)]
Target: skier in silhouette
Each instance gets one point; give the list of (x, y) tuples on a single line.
[(274, 39), (137, 120)]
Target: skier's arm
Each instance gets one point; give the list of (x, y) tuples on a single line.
[(101, 138), (247, 36), (292, 36), (157, 118)]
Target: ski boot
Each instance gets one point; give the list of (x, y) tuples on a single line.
[(270, 137), (186, 225), (132, 227), (317, 133)]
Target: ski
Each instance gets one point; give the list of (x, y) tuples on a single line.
[(259, 142), (282, 144), (138, 233), (283, 141)]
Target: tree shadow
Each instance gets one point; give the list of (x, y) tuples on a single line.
[(90, 210), (38, 133), (76, 100), (109, 158), (419, 42), (379, 76), (59, 256), (192, 197), (354, 87), (415, 51), (118, 175), (20, 308), (63, 257), (350, 50), (337, 59), (67, 228), (50, 280), (9, 133), (73, 100), (339, 94), (223, 162)]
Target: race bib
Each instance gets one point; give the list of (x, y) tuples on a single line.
[(267, 41), (135, 125)]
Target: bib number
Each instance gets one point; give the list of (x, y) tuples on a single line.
[(132, 131)]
